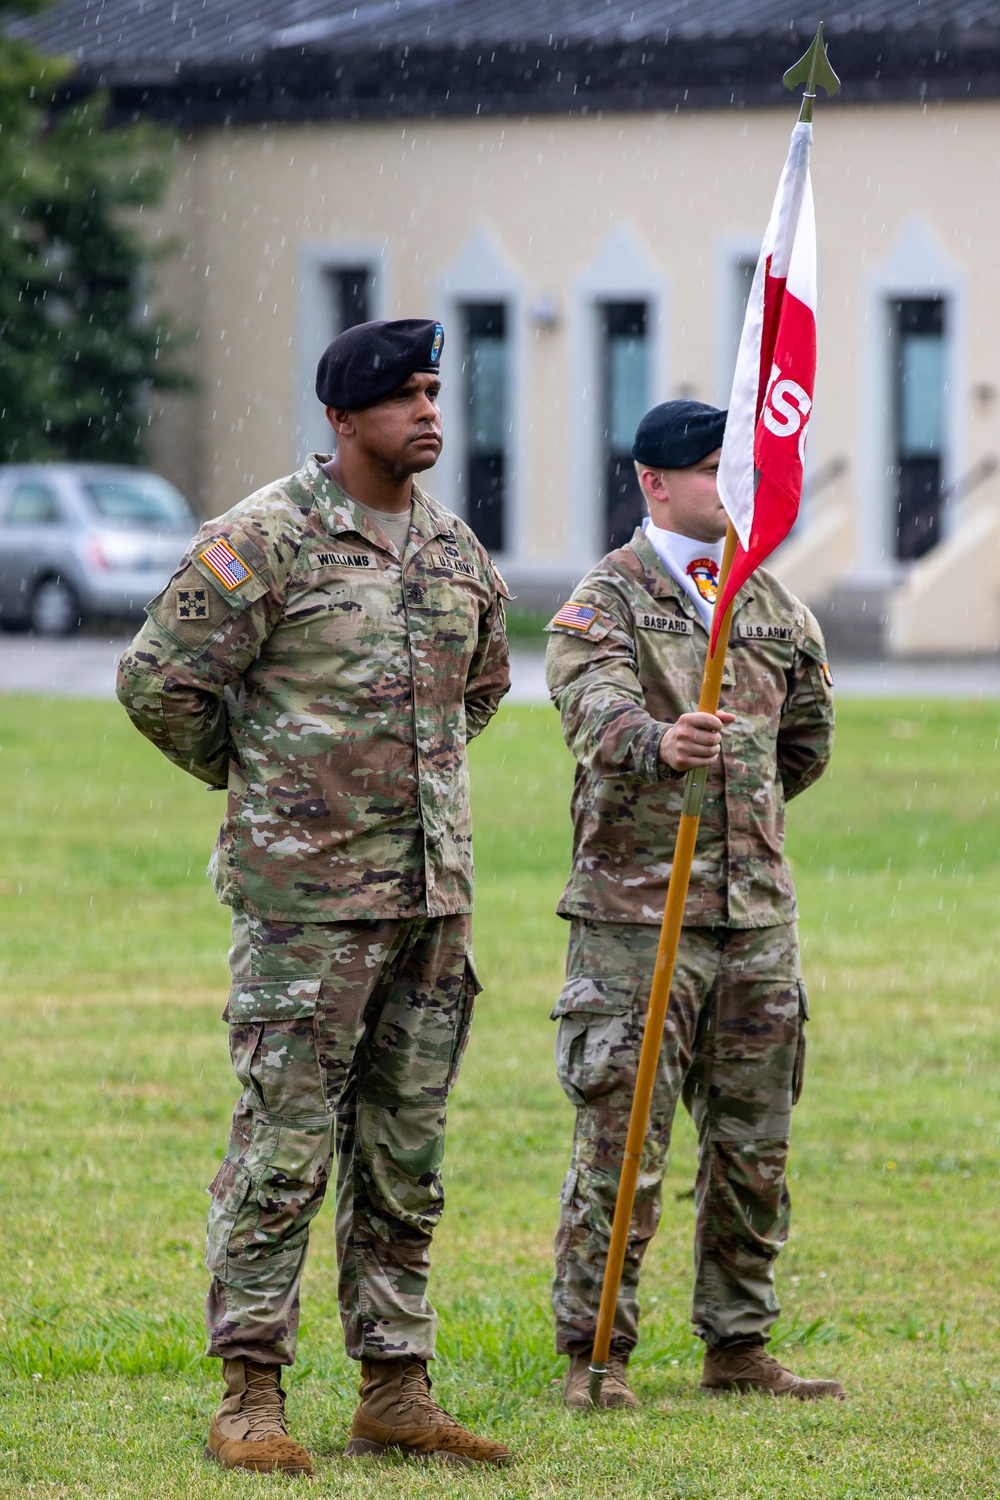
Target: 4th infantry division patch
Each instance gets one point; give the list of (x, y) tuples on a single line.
[(576, 616), (191, 604), (225, 564)]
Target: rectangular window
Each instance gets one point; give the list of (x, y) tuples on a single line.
[(919, 423), (625, 398), (486, 376), (351, 296)]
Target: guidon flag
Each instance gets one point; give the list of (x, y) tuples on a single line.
[(763, 451)]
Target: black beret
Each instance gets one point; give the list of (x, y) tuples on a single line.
[(366, 363), (677, 434)]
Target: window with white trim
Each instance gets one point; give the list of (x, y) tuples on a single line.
[(486, 421), (624, 332), (920, 391), (350, 296)]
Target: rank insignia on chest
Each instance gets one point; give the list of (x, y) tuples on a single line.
[(192, 604), (224, 563), (704, 574), (576, 616), (666, 624), (765, 632)]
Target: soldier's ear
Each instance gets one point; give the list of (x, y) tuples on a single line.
[(341, 420), (652, 482)]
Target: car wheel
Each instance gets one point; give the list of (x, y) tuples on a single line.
[(55, 609)]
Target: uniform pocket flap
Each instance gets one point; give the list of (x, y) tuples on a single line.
[(596, 997), (271, 1000)]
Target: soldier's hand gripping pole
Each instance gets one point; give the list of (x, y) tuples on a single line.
[(663, 973)]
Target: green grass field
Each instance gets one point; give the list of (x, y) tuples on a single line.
[(116, 1094)]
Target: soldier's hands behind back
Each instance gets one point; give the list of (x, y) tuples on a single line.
[(695, 740)]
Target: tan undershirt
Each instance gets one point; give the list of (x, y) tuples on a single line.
[(395, 523)]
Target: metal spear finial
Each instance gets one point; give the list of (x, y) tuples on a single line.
[(812, 69)]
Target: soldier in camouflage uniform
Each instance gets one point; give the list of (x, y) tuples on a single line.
[(624, 667), (324, 652)]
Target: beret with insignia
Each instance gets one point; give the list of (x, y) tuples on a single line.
[(678, 434), (366, 363)]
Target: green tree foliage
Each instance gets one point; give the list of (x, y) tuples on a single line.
[(79, 348)]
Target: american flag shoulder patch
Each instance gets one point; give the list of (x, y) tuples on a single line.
[(576, 616), (225, 564)]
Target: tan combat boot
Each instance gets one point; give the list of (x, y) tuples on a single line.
[(398, 1412), (615, 1392), (249, 1429), (749, 1367)]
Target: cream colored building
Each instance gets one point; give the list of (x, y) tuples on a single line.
[(587, 265)]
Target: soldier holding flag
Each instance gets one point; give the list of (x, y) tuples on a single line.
[(624, 664), (683, 977)]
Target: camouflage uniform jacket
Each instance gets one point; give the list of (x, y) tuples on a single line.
[(356, 676), (620, 680)]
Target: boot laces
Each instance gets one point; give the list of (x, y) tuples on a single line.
[(415, 1394), (617, 1368), (755, 1359), (767, 1362), (263, 1404)]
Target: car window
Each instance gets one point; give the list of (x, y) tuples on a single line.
[(142, 500), (33, 505)]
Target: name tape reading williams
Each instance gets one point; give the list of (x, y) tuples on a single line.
[(341, 560)]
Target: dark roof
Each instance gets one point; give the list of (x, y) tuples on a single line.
[(195, 61)]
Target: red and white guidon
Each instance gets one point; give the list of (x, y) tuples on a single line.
[(763, 452)]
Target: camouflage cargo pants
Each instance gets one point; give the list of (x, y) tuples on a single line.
[(733, 1049), (346, 1038)]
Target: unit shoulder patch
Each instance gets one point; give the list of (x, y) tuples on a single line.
[(192, 604), (191, 608), (574, 616), (765, 632), (227, 565), (645, 619)]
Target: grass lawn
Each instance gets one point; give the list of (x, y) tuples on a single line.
[(116, 1094)]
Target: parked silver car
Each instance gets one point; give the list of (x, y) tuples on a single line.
[(78, 540)]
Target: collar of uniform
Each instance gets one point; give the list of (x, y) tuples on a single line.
[(659, 582), (340, 513), (428, 520)]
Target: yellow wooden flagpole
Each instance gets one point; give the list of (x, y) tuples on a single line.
[(663, 973)]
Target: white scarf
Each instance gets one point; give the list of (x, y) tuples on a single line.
[(692, 564)]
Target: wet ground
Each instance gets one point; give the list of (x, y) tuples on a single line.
[(83, 666)]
